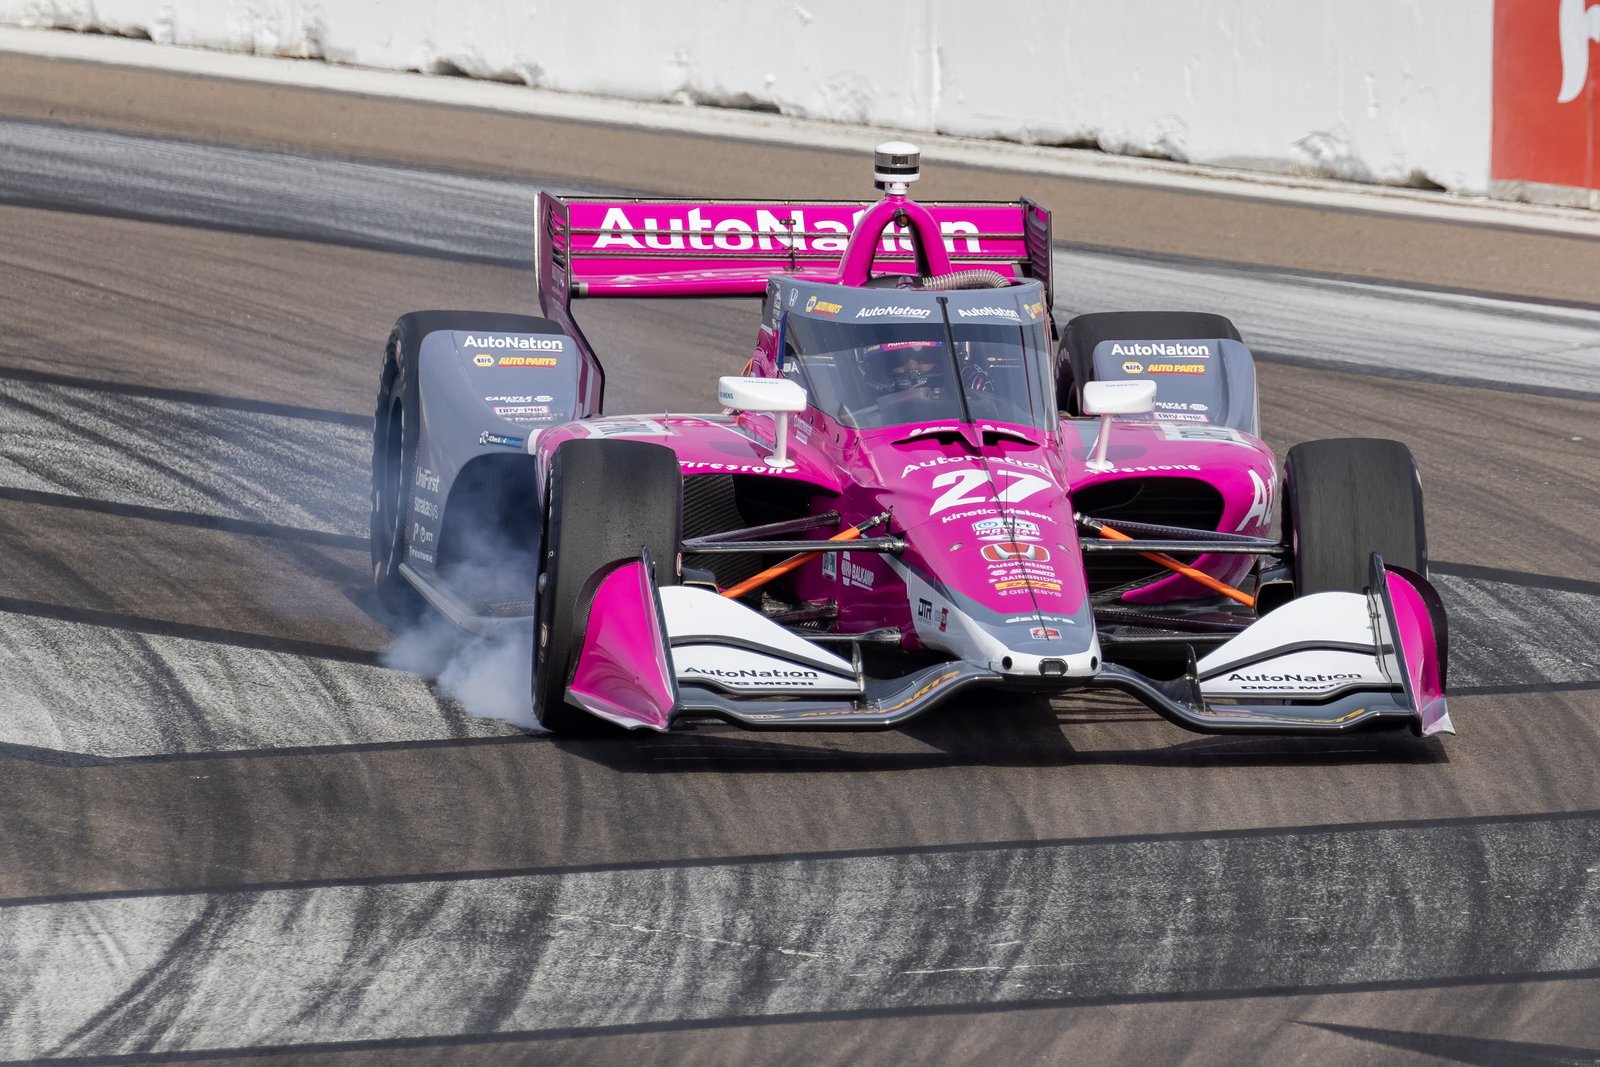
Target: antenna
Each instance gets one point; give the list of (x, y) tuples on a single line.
[(895, 165)]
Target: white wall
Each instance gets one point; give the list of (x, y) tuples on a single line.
[(1373, 90)]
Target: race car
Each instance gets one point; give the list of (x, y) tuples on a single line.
[(918, 486)]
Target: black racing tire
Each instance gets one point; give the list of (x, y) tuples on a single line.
[(1075, 365), (394, 455), (606, 499), (1345, 499)]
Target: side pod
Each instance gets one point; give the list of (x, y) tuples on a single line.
[(624, 672)]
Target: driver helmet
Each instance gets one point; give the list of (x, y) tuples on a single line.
[(900, 366)]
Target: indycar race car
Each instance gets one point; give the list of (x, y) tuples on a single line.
[(917, 487)]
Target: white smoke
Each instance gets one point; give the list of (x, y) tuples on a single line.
[(489, 676)]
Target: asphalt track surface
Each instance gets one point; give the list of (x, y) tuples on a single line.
[(229, 830)]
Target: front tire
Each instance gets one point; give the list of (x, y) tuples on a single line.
[(606, 500), (1345, 499)]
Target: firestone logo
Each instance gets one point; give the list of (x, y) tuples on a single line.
[(1578, 26)]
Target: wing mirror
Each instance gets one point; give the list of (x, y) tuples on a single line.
[(1106, 399), (779, 396)]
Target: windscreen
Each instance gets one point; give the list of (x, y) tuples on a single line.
[(888, 374)]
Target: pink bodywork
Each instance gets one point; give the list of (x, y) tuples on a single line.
[(623, 669), (1420, 643)]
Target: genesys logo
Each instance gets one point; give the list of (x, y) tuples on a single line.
[(1577, 24)]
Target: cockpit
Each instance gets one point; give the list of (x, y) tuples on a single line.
[(875, 374)]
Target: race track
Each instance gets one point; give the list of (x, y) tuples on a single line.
[(234, 826)]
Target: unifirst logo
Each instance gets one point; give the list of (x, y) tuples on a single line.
[(1578, 26)]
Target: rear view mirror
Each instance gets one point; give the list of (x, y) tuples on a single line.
[(777, 395), (1134, 397)]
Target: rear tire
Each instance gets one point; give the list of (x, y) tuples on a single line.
[(606, 500), (1085, 332), (394, 456), (1345, 499)]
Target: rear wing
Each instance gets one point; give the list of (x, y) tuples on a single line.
[(591, 246)]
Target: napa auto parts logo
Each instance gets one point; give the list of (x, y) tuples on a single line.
[(1547, 93)]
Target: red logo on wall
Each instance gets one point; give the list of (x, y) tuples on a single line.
[(1001, 551), (1547, 92)]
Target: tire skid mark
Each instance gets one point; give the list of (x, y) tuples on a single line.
[(184, 457), (765, 939), (78, 688)]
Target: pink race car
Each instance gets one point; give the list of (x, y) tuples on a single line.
[(915, 488)]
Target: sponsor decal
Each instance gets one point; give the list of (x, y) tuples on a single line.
[(1179, 416), (794, 294), (525, 344), (528, 361), (425, 479), (989, 313), (543, 399), (1546, 125), (1044, 633), (483, 359), (425, 507), (487, 438), (1003, 551), (1260, 513), (827, 307), (854, 574), (830, 566), (1059, 620), (747, 672), (1175, 368), (1133, 366), (925, 610), (625, 427), (967, 461), (811, 303), (996, 529), (1029, 583), (1178, 405), (1294, 683), (696, 467), (513, 410), (1220, 435), (1035, 310), (420, 534), (974, 513), (1158, 349), (781, 229), (1157, 467), (513, 399), (893, 311), (418, 554), (944, 619)]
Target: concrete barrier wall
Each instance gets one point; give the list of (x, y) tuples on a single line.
[(1397, 91)]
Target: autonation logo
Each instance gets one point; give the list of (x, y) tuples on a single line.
[(1315, 678), (526, 344), (1161, 348), (989, 313), (718, 672), (893, 310)]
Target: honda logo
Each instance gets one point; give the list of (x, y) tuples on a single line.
[(1001, 551)]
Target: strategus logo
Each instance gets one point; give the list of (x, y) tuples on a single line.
[(1577, 26)]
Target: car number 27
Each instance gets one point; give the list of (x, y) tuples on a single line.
[(969, 487)]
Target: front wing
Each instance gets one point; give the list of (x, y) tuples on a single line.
[(1325, 663)]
